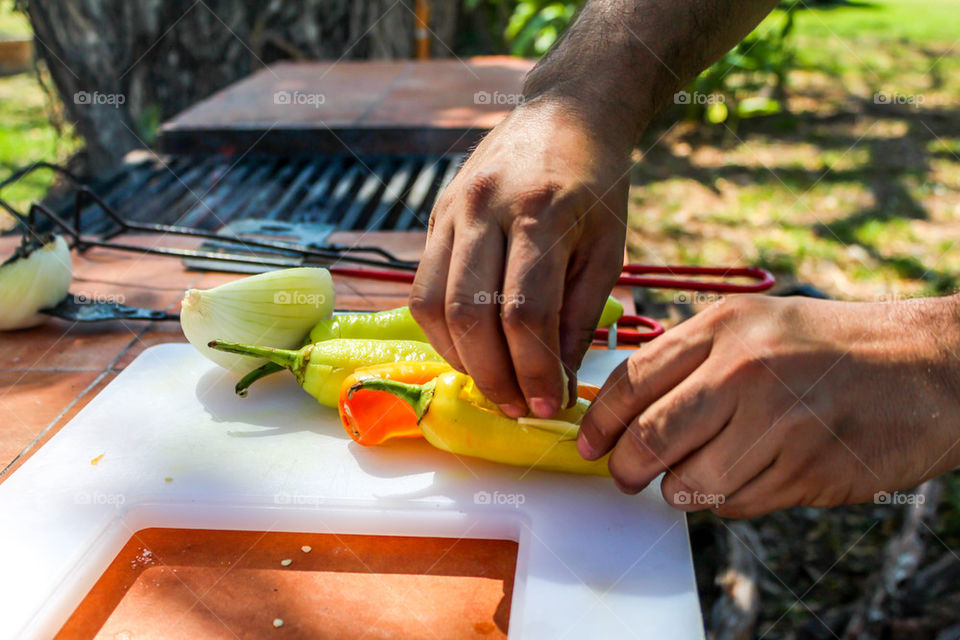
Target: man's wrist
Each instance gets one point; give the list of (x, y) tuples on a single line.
[(947, 336)]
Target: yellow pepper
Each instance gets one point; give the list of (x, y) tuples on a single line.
[(454, 416)]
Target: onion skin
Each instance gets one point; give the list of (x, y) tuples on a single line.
[(37, 281), (274, 309)]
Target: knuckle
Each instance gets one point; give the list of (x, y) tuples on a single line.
[(426, 308), (637, 369), (524, 317), (479, 189), (647, 440), (461, 316), (530, 201)]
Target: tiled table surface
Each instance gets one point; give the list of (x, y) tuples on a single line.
[(50, 372)]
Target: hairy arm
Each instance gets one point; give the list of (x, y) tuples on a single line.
[(527, 241)]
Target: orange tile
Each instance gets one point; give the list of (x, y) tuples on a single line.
[(61, 345), (158, 333), (30, 402), (34, 444)]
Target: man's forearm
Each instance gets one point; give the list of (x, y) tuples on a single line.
[(622, 59)]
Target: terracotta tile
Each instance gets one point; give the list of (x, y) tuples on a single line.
[(158, 333), (33, 446), (30, 402), (61, 345)]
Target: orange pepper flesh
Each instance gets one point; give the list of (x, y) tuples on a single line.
[(372, 417)]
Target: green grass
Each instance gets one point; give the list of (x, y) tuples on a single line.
[(26, 135), (13, 24), (26, 132), (925, 21), (852, 198)]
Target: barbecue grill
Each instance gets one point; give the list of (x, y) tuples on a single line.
[(341, 192)]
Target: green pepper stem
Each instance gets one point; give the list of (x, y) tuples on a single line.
[(260, 372), (418, 396), (283, 357)]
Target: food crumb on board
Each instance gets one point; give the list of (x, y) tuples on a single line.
[(277, 622), (286, 562), (306, 548), (168, 479), (97, 459)]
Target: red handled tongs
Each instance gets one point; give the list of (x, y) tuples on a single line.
[(717, 280)]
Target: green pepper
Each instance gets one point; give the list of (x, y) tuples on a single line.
[(320, 368), (392, 324), (398, 324)]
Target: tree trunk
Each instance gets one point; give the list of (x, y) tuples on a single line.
[(121, 67)]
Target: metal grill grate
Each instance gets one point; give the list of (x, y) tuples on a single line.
[(384, 192)]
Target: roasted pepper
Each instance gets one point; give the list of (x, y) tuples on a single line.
[(320, 368), (454, 416)]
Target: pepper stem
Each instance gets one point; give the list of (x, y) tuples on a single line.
[(418, 396), (283, 357), (260, 372)]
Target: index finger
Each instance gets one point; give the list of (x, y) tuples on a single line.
[(645, 376), (532, 299)]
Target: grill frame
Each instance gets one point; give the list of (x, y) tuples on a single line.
[(381, 192)]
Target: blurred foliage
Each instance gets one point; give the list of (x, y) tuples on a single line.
[(536, 24), (748, 81)]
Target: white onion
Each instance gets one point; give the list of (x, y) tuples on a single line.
[(33, 282), (273, 309)]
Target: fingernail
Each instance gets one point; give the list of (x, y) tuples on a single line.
[(543, 407), (511, 410)]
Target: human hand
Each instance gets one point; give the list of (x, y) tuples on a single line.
[(758, 404), (524, 246)]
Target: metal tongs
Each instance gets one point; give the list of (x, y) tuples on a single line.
[(373, 263)]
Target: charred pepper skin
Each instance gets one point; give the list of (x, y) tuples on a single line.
[(454, 416), (322, 367)]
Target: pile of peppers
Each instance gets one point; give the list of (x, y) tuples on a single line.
[(387, 382)]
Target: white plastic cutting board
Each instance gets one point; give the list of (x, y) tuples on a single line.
[(592, 563)]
